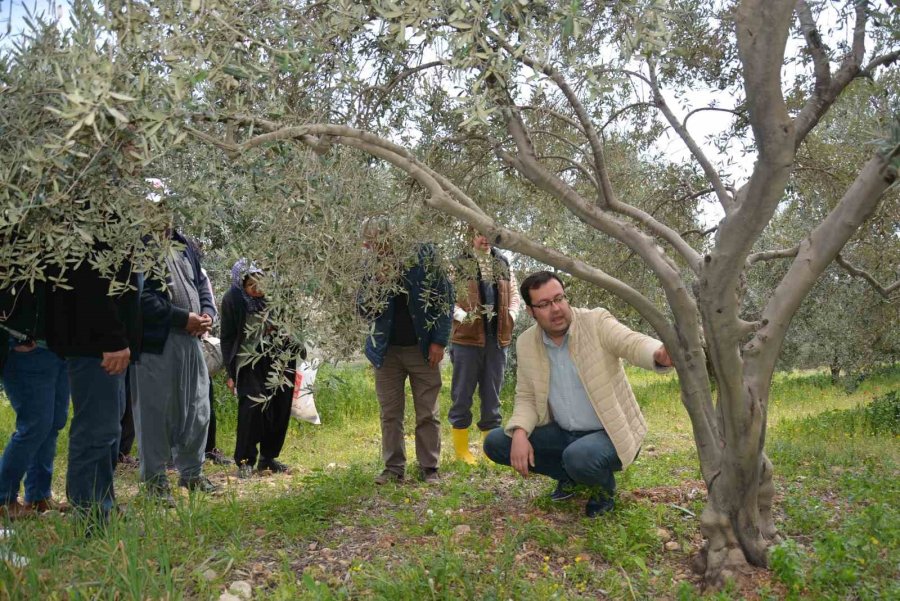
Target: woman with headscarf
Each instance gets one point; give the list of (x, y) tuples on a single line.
[(248, 349)]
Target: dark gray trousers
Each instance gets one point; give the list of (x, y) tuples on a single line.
[(170, 400), (482, 367)]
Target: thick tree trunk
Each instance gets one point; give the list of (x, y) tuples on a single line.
[(737, 522)]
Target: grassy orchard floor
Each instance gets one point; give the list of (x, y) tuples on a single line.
[(327, 532)]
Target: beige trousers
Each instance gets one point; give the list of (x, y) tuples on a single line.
[(401, 362)]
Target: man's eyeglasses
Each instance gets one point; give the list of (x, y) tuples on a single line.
[(559, 300)]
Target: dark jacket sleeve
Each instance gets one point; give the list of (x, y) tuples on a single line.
[(156, 306), (442, 291), (232, 327)]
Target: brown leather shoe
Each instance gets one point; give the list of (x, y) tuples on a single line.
[(13, 511), (48, 504)]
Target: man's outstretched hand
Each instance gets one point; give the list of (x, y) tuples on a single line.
[(661, 356)]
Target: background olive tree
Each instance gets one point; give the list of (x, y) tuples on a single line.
[(549, 126)]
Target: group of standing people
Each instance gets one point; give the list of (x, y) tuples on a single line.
[(81, 341), (575, 417)]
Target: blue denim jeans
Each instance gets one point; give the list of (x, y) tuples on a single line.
[(98, 402), (587, 458), (38, 390)]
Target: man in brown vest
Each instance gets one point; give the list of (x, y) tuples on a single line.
[(486, 308)]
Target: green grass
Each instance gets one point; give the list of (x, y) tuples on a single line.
[(327, 532)]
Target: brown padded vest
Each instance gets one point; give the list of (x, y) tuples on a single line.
[(471, 333)]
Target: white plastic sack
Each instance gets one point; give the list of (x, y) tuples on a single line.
[(212, 353), (303, 406)]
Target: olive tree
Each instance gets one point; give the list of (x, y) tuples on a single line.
[(455, 96)]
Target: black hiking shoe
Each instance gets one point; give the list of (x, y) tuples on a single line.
[(218, 457), (200, 483), (599, 504), (565, 489), (388, 476), (273, 465)]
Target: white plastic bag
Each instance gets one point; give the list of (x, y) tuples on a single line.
[(303, 406), (212, 353)]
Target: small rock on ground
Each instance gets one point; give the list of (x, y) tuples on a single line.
[(241, 588)]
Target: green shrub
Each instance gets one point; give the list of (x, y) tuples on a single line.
[(882, 416), (786, 561)]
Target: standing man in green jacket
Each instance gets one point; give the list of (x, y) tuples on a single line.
[(575, 417)]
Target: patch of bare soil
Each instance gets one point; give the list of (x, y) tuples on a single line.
[(340, 549), (687, 491)]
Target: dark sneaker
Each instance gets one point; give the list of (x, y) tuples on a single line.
[(388, 476), (161, 493), (273, 465), (565, 489), (245, 471), (597, 505), (200, 483), (430, 475), (219, 458)]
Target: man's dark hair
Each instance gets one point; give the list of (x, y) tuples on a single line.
[(536, 280)]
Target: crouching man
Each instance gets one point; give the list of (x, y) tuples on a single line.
[(575, 418)]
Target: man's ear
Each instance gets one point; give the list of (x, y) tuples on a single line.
[(530, 311)]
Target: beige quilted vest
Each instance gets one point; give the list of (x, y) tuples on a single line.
[(597, 344)]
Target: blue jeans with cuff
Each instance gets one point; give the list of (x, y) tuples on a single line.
[(38, 389)]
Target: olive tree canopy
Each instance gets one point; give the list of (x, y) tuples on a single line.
[(580, 134)]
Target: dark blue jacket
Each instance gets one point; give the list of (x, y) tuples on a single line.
[(158, 313), (430, 306)]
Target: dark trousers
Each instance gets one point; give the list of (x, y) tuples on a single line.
[(211, 432), (480, 366), (98, 401), (126, 441), (587, 458), (263, 424)]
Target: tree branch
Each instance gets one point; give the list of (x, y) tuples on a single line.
[(884, 291), (574, 165), (531, 168), (827, 91), (622, 110), (701, 233), (708, 108), (606, 189), (769, 255), (556, 114), (814, 255), (466, 210), (817, 49), (883, 60), (712, 175)]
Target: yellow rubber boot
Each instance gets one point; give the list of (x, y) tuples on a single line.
[(461, 445)]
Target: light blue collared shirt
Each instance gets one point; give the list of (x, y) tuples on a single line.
[(569, 402)]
